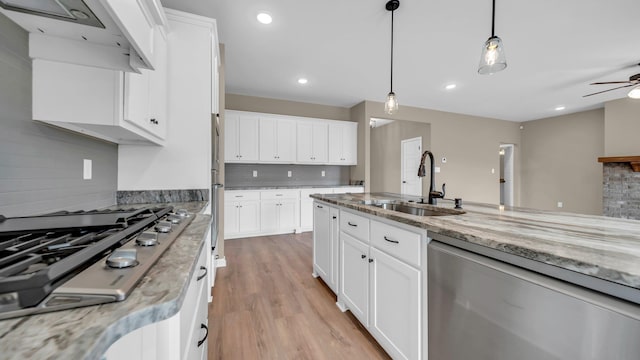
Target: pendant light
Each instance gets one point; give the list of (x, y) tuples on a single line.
[(492, 59), (391, 105)]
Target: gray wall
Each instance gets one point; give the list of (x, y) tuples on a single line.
[(386, 154), (41, 166), (241, 175), (559, 162), (621, 127)]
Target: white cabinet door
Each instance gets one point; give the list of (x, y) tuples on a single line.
[(269, 215), (322, 251), (286, 143), (231, 137), (354, 279), (334, 213), (313, 142), (287, 215), (306, 215), (158, 87), (136, 98), (248, 216), (395, 306), (343, 143), (241, 138), (268, 140), (231, 221)]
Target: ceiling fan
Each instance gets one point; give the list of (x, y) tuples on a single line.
[(633, 81)]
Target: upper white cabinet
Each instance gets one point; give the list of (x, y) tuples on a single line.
[(241, 138), (343, 143), (277, 140), (92, 101), (123, 39), (313, 146)]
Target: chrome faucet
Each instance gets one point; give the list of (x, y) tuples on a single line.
[(422, 172)]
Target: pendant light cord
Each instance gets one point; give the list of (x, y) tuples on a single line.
[(392, 11), (493, 19)]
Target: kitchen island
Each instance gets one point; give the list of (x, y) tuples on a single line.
[(482, 280), (86, 333)]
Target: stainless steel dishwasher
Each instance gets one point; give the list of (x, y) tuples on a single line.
[(483, 309)]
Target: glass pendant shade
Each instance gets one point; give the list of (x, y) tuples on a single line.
[(493, 58), (634, 93), (391, 105)]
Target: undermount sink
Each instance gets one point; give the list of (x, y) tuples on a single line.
[(414, 210)]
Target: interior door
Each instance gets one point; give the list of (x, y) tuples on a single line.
[(410, 161)]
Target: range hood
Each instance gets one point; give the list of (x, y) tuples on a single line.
[(75, 11)]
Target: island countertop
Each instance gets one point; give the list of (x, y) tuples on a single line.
[(86, 333), (596, 246)]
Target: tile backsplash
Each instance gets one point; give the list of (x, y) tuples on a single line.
[(242, 175)]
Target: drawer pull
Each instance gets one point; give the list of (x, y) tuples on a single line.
[(278, 194), (206, 335), (318, 206), (350, 224), (239, 195), (391, 241), (335, 217), (203, 275)]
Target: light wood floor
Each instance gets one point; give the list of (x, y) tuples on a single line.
[(266, 305)]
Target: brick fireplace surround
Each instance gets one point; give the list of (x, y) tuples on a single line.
[(621, 186)]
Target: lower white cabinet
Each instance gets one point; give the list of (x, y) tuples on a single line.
[(306, 203), (279, 211), (182, 336), (381, 281), (325, 244), (241, 213)]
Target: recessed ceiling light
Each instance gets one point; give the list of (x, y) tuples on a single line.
[(560, 108), (302, 81), (450, 86), (264, 18)]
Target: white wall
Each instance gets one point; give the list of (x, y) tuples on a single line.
[(185, 161)]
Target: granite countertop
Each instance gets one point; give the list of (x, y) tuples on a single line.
[(597, 246), (86, 333), (274, 187)]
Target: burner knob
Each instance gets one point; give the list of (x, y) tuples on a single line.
[(174, 219), (182, 212), (163, 226), (122, 258), (147, 238)]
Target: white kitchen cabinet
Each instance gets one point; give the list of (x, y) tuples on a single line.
[(279, 212), (92, 101), (241, 138), (241, 213), (312, 142), (325, 244), (277, 140), (145, 93), (354, 276), (343, 143), (395, 305), (182, 336)]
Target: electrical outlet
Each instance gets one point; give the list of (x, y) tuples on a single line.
[(289, 173), (255, 173), (493, 171), (436, 168), (560, 204), (87, 169), (322, 173)]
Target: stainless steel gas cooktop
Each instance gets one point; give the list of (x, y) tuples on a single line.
[(71, 259)]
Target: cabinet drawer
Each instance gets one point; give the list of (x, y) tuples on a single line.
[(241, 195), (190, 305), (400, 243), (279, 194), (354, 225)]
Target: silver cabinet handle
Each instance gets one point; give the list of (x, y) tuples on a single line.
[(350, 224), (391, 241)]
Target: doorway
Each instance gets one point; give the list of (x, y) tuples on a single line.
[(506, 174), (411, 183)]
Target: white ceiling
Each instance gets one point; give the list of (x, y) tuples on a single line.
[(554, 50)]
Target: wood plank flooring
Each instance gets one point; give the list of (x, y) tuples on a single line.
[(266, 305)]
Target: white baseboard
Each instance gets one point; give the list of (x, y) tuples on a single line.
[(221, 262)]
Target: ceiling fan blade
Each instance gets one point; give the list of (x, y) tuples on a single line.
[(616, 88), (612, 82)]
